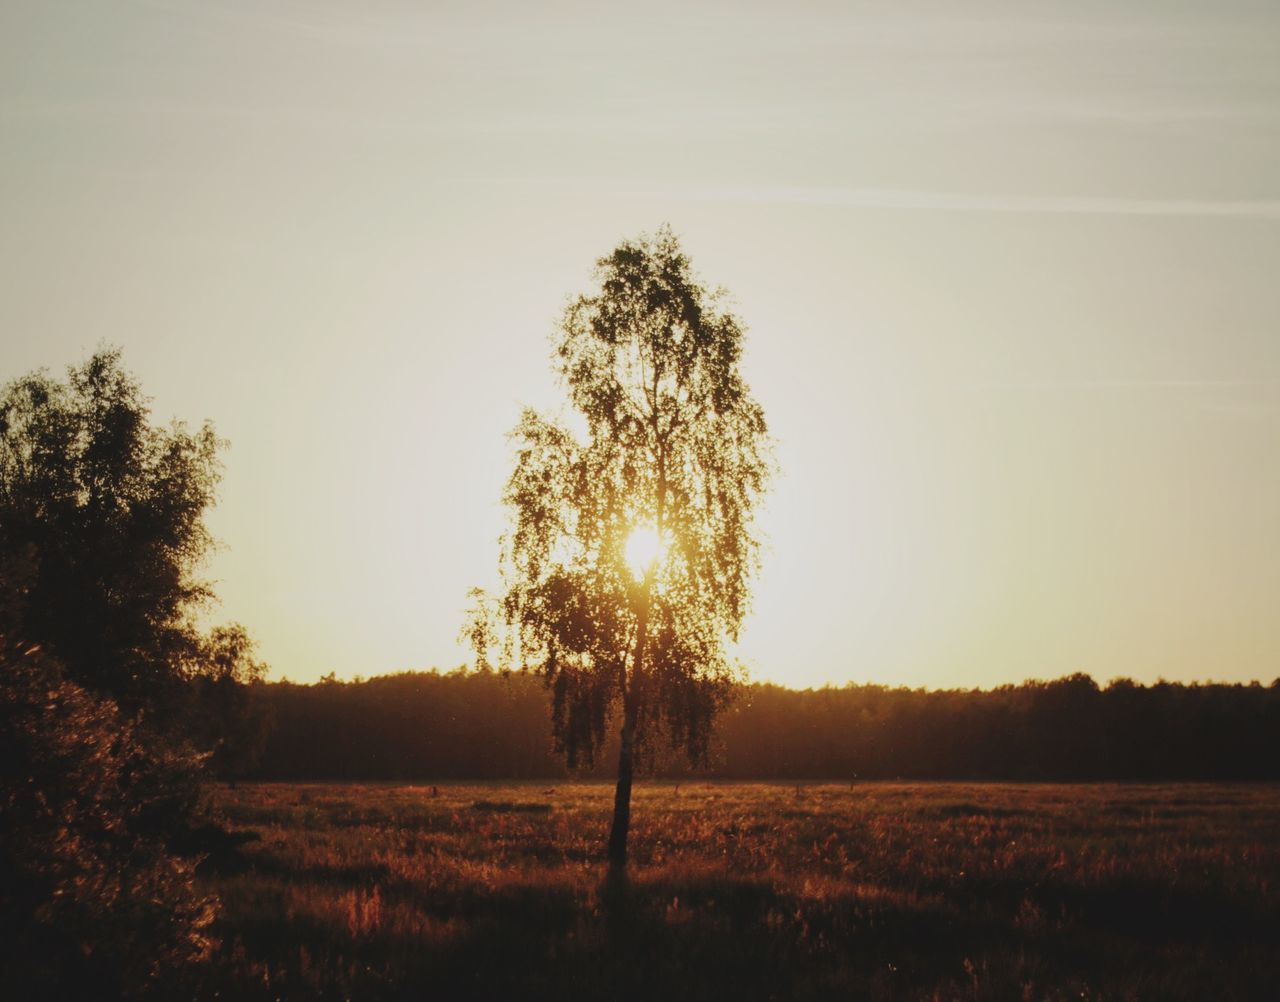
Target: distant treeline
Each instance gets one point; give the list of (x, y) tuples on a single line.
[(481, 725)]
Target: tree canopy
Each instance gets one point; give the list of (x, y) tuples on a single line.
[(107, 510), (93, 904), (626, 569), (114, 699)]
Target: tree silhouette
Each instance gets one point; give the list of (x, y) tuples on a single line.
[(627, 564), (92, 902), (110, 509), (104, 511), (112, 699)]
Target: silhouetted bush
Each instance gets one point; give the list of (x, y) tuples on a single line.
[(112, 698), (106, 510), (92, 905)]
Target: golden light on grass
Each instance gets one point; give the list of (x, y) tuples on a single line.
[(644, 547)]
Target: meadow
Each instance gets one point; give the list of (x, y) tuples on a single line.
[(749, 891)]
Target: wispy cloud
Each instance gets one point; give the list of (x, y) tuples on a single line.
[(1113, 384), (943, 201), (912, 199)]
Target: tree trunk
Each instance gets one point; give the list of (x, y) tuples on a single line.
[(630, 698), (622, 794)]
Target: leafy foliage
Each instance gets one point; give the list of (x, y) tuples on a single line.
[(91, 902), (230, 718), (108, 510), (674, 443), (112, 509), (113, 698)]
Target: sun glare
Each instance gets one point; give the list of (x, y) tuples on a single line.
[(644, 546)]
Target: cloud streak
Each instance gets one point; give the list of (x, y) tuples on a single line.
[(909, 199), (941, 201), (1122, 384)]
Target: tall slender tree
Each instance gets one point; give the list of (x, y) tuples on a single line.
[(627, 564)]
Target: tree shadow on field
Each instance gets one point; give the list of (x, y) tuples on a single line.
[(715, 934), (698, 933), (708, 933), (703, 936), (665, 937)]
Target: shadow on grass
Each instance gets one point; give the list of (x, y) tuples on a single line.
[(510, 807), (710, 936), (703, 932)]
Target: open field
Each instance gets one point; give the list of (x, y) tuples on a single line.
[(744, 891)]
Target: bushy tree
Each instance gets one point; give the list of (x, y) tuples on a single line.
[(114, 698), (92, 903), (109, 508), (627, 565), (230, 717)]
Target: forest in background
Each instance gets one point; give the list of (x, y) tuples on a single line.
[(485, 725)]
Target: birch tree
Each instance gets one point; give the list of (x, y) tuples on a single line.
[(631, 546)]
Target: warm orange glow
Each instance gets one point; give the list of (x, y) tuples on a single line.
[(1025, 393), (644, 547)]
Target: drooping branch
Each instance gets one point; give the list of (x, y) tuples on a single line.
[(674, 443)]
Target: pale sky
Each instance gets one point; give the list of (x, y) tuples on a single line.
[(1011, 273)]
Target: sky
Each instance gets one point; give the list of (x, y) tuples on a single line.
[(1009, 273)]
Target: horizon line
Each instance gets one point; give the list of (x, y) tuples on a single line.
[(468, 669)]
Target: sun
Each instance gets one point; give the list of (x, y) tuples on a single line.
[(644, 546)]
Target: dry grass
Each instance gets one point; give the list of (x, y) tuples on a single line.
[(743, 891)]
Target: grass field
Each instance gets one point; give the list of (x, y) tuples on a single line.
[(922, 890)]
